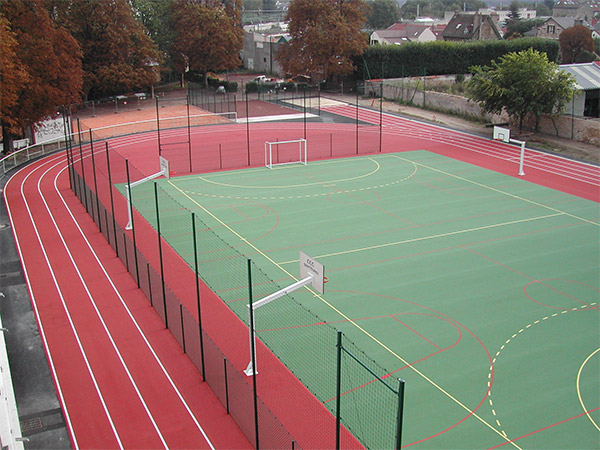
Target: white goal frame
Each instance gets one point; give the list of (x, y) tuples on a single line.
[(302, 152), (164, 171)]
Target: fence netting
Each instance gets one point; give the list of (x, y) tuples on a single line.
[(171, 240)]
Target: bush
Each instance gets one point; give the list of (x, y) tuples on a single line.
[(442, 57)]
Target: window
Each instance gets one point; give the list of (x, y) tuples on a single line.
[(551, 29)]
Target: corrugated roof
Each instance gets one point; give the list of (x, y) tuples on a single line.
[(586, 75)]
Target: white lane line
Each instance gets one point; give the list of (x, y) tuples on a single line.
[(109, 279)]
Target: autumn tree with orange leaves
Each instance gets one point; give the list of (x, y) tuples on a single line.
[(209, 35), (118, 54), (325, 35), (40, 70)]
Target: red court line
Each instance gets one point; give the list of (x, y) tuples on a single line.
[(80, 401), (546, 428)]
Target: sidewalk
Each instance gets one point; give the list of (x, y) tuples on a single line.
[(565, 147)]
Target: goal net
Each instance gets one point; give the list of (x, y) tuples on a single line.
[(285, 152)]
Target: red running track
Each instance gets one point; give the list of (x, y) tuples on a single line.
[(122, 379)]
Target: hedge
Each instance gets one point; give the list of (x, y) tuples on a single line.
[(442, 57)]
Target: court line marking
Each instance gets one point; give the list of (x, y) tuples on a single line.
[(137, 326), (458, 177), (424, 238), (522, 330), (317, 295), (579, 390), (358, 177)]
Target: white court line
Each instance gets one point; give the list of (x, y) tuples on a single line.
[(137, 326)]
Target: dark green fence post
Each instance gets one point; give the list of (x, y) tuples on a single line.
[(338, 391), (357, 117), (158, 127), (247, 129), (381, 116), (187, 100), (401, 383), (82, 167), (130, 206), (253, 350), (95, 181), (112, 202), (160, 254), (198, 295)]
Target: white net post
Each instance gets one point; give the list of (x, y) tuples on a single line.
[(164, 171)]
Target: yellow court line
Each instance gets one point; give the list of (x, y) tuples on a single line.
[(349, 320), (578, 387), (497, 190), (424, 238)]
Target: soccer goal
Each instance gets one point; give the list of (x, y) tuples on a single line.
[(164, 171), (285, 152)]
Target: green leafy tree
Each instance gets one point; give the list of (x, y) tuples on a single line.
[(574, 41), (208, 37), (118, 54), (521, 83), (46, 57), (514, 11), (157, 18), (383, 14), (325, 35), (517, 28)]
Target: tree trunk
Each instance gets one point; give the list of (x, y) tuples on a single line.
[(7, 137)]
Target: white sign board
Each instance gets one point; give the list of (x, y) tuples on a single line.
[(309, 266)]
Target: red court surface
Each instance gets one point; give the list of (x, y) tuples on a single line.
[(122, 379)]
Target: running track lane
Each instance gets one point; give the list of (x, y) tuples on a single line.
[(567, 175), (122, 379)]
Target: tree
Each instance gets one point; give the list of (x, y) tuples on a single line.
[(513, 12), (118, 55), (13, 79), (517, 28), (521, 83), (573, 42), (383, 14), (325, 35), (48, 59), (208, 37)]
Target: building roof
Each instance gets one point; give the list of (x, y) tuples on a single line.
[(586, 75), (465, 26), (402, 32)]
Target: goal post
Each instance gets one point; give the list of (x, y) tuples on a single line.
[(164, 171), (280, 153), (312, 273)]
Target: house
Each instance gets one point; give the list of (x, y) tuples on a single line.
[(400, 33), (579, 9), (261, 46), (553, 26), (468, 27), (585, 103), (503, 14)]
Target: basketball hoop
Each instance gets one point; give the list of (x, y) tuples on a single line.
[(325, 279)]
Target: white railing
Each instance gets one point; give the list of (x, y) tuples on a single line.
[(10, 428), (30, 152)]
